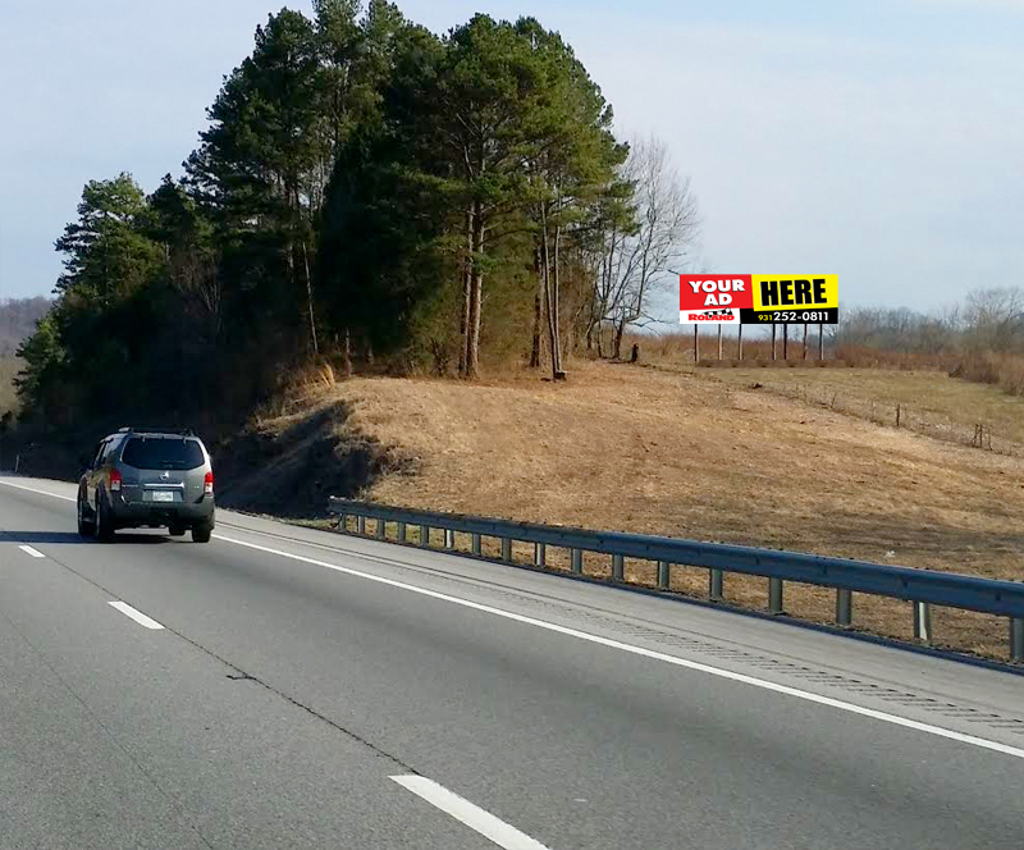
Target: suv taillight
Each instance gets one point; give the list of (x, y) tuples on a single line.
[(208, 484), (115, 481)]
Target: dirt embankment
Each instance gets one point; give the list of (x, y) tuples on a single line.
[(288, 466)]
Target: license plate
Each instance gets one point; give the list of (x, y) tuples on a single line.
[(163, 496)]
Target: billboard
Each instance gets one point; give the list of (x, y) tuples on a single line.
[(758, 299)]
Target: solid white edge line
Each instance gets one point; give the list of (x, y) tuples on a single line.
[(480, 820), (841, 705), (137, 616), (38, 492), (35, 553), (722, 673)]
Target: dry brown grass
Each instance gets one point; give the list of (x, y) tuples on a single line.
[(690, 454), (1002, 369)]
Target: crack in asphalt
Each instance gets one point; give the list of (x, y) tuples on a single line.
[(243, 675)]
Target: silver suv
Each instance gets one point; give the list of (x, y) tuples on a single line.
[(147, 478)]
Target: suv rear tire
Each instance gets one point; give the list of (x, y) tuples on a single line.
[(86, 528), (104, 523), (202, 532)]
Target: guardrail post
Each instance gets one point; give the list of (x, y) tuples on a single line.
[(425, 536), (716, 582), (775, 596), (577, 561), (1017, 640), (664, 575), (618, 570), (506, 549), (844, 608), (382, 528), (449, 539), (540, 555), (361, 525), (476, 546), (343, 523), (923, 622), (401, 532)]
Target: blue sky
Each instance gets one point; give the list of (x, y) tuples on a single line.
[(880, 141)]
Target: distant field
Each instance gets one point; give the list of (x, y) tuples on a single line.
[(929, 403), (9, 367), (697, 453)]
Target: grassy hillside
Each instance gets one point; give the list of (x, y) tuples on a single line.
[(700, 454)]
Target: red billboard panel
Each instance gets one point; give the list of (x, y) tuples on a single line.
[(714, 298)]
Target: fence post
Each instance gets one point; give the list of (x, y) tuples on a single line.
[(1017, 640), (361, 525), (425, 536), (664, 575), (475, 544), (923, 622), (449, 539), (506, 549), (618, 570), (775, 596), (844, 608), (716, 583), (577, 561), (401, 532), (540, 555)]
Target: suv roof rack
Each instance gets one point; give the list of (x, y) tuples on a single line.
[(135, 429)]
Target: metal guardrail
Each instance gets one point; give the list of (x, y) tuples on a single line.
[(923, 588)]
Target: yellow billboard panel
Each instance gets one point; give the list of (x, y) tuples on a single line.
[(795, 292)]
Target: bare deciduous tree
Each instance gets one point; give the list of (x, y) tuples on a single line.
[(994, 319), (634, 262)]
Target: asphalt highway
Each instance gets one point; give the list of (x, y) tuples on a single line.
[(281, 687)]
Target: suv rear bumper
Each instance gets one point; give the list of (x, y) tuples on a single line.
[(129, 514)]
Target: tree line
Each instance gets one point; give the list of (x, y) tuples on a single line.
[(988, 320), (18, 317), (366, 190)]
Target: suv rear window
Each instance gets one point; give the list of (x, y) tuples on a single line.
[(162, 453)]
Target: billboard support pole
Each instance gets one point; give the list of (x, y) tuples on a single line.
[(696, 343), (739, 343), (785, 342), (805, 340), (821, 341), (719, 340), (774, 331)]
